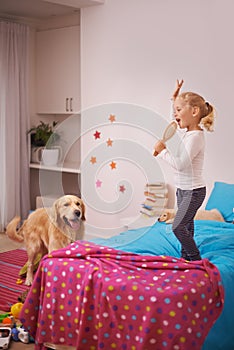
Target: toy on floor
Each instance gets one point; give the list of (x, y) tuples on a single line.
[(15, 333), (15, 309), (23, 335), (8, 317), (5, 337), (3, 316), (7, 321), (18, 333), (23, 270)]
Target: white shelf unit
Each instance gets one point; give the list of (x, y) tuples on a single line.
[(68, 167), (57, 92), (58, 71)]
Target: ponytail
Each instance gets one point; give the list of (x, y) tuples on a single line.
[(207, 118)]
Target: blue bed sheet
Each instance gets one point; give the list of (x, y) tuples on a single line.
[(216, 243)]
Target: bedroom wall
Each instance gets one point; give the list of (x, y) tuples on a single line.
[(133, 51)]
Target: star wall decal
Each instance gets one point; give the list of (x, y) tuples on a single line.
[(98, 183), (122, 188), (97, 135), (112, 118), (93, 160), (112, 165), (109, 142)]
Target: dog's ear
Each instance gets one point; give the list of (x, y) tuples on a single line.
[(54, 211), (169, 215), (83, 211)]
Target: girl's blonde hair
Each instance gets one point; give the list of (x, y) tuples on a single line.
[(207, 112)]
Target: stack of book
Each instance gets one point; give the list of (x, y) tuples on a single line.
[(156, 198)]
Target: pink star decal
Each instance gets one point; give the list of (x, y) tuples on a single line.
[(97, 135), (98, 183), (122, 188)]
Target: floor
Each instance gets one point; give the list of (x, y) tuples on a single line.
[(20, 346), (5, 245)]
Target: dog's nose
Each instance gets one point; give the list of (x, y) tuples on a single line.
[(77, 213)]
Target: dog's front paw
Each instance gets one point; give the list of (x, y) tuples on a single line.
[(28, 282)]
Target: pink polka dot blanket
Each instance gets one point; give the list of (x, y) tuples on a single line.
[(94, 297)]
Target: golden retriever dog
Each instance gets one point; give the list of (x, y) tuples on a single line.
[(48, 229), (168, 215)]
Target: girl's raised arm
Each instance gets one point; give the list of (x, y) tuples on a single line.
[(179, 84)]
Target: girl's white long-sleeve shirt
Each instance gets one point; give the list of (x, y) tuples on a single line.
[(188, 161)]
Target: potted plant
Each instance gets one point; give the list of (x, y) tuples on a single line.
[(43, 135), (43, 143)]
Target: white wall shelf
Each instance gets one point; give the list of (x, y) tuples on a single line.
[(66, 167)]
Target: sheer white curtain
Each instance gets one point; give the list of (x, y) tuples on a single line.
[(14, 121)]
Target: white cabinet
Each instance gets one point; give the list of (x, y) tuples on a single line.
[(58, 71)]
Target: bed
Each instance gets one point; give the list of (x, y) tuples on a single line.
[(133, 291)]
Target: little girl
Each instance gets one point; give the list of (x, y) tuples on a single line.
[(192, 113)]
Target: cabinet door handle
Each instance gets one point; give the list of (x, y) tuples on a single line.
[(67, 107), (71, 106)]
